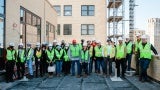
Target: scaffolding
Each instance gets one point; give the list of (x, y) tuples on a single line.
[(115, 18)]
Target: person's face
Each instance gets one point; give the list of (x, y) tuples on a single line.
[(120, 41), (127, 39), (138, 37), (109, 42), (144, 40), (84, 47), (54, 43)]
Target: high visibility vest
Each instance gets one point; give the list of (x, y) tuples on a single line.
[(145, 52), (129, 47), (137, 45), (84, 56), (75, 51), (66, 57), (38, 53), (58, 54), (10, 55), (29, 53), (91, 51), (120, 51), (98, 51), (112, 52), (80, 46), (50, 54), (22, 55)]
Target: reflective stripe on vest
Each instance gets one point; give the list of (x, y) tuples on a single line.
[(22, 56), (66, 57), (145, 52), (120, 51), (59, 54), (84, 55), (10, 55), (129, 47), (50, 54), (75, 51), (98, 51)]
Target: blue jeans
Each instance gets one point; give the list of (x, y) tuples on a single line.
[(100, 63), (30, 67), (78, 67), (129, 58), (58, 66), (144, 63)]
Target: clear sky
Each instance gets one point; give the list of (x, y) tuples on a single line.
[(146, 9)]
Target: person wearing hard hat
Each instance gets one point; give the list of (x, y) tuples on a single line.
[(99, 57), (59, 56), (29, 59), (84, 59), (129, 47), (43, 59), (66, 62), (145, 49), (38, 59), (137, 53), (120, 57), (92, 56), (20, 61), (54, 44), (11, 58), (74, 55), (108, 54), (81, 44), (50, 58)]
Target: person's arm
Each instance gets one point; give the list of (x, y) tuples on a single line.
[(154, 50)]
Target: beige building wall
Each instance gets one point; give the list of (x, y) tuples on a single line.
[(99, 19), (41, 8), (154, 32), (133, 33)]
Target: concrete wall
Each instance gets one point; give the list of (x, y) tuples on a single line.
[(99, 20), (41, 8), (154, 67)]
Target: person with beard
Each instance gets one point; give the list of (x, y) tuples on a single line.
[(29, 60), (38, 59), (66, 62), (50, 58), (59, 54), (20, 62)]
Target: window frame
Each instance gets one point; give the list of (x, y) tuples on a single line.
[(64, 11), (87, 10), (88, 29), (69, 32)]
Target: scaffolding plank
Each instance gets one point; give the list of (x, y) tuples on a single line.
[(117, 18), (117, 4)]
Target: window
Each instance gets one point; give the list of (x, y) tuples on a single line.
[(47, 28), (58, 29), (87, 29), (58, 9), (67, 10), (67, 29), (22, 15), (87, 10)]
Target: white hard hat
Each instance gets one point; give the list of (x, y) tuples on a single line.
[(55, 41), (20, 44), (58, 43), (120, 39), (11, 44), (37, 44), (67, 45), (127, 36), (85, 44), (98, 41), (44, 43), (138, 34), (144, 37), (50, 45), (28, 44), (93, 39)]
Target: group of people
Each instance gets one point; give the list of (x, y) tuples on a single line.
[(86, 56)]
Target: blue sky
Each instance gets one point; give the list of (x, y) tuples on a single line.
[(146, 9)]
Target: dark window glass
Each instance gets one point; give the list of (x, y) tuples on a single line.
[(22, 15), (58, 29), (67, 29), (87, 10), (67, 10)]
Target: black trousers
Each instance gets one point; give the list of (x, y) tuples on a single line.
[(84, 67), (10, 70), (20, 69), (120, 63), (66, 67), (2, 63), (39, 67)]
